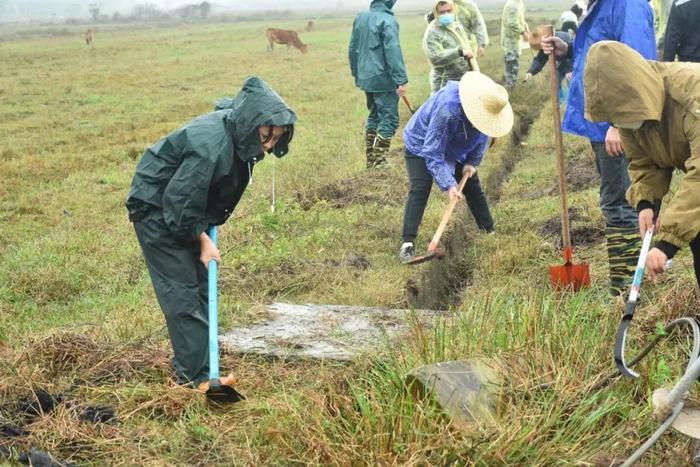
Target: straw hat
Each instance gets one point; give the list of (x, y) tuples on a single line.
[(485, 104)]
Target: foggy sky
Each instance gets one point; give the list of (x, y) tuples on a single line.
[(22, 10)]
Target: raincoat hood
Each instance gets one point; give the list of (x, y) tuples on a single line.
[(255, 105), (388, 4), (436, 22), (620, 86)]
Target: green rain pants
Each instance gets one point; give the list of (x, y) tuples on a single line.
[(383, 113), (180, 283)]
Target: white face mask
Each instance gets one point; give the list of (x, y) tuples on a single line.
[(630, 126)]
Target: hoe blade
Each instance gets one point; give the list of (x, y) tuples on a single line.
[(222, 394)]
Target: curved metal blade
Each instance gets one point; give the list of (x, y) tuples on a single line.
[(619, 352), (422, 259)]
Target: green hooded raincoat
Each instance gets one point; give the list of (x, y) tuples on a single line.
[(376, 61), (622, 87), (185, 183)]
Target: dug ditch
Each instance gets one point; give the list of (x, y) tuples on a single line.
[(438, 285)]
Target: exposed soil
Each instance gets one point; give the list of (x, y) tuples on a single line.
[(581, 235), (366, 187), (581, 174)]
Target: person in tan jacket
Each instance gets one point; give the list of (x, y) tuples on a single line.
[(656, 106)]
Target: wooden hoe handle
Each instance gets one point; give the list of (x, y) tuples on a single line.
[(446, 217)]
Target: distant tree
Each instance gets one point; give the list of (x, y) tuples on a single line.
[(204, 9), (94, 9), (146, 11)]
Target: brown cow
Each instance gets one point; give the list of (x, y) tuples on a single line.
[(309, 26), (284, 37), (88, 36)]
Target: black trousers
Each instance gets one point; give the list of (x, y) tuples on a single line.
[(695, 248), (421, 181), (180, 281)]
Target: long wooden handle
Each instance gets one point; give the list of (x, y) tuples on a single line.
[(446, 217), (565, 233), (473, 65)]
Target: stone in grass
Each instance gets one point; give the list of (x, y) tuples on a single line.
[(466, 390)]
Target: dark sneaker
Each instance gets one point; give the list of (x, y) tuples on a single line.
[(407, 252)]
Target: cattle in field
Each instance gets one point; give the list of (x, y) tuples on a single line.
[(284, 37), (310, 25), (88, 36)]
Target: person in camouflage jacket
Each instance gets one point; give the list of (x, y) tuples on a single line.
[(513, 28), (446, 46)]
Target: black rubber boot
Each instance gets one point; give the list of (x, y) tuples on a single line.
[(624, 246)]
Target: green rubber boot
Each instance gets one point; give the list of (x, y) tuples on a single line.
[(624, 245), (381, 151), (370, 137)]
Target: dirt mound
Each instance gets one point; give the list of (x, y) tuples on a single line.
[(581, 235), (367, 187), (581, 174)]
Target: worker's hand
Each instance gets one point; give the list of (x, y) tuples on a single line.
[(468, 171), (568, 76), (454, 194), (646, 221), (528, 76), (468, 54), (481, 51), (401, 90), (553, 43), (613, 142), (208, 251), (656, 264)]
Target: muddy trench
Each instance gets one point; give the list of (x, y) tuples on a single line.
[(439, 284)]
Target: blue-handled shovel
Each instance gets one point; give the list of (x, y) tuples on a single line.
[(217, 392)]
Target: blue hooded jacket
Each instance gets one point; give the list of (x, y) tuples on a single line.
[(628, 21), (440, 133)]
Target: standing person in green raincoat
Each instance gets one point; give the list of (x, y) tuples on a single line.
[(446, 45), (188, 181), (376, 63), (469, 16), (513, 28)]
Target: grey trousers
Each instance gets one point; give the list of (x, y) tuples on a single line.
[(614, 182)]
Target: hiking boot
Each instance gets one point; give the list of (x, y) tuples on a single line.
[(370, 137), (624, 246), (381, 151), (407, 252)]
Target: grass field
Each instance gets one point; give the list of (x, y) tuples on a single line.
[(78, 315)]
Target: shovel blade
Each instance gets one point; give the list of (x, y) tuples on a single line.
[(575, 276)]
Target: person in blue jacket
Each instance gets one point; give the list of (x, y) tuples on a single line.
[(632, 23), (445, 140)]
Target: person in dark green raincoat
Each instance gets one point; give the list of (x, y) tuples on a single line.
[(376, 63), (188, 181)]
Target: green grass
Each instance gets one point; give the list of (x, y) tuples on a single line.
[(78, 314)]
